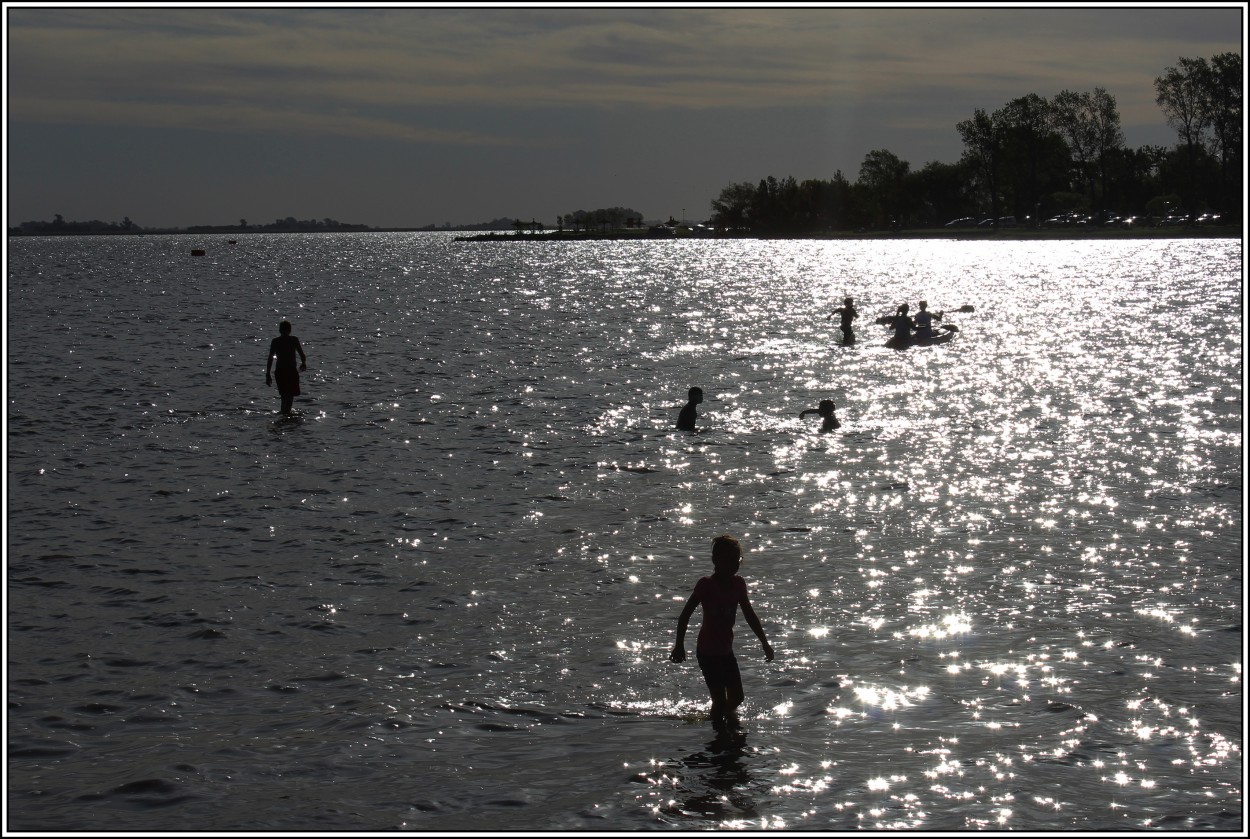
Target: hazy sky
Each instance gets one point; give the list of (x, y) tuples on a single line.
[(407, 115)]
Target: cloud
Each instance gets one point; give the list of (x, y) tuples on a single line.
[(363, 72), (244, 118)]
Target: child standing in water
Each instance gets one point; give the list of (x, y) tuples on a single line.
[(720, 595), (848, 315), (685, 420)]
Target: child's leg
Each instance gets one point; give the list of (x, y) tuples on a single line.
[(734, 694), (721, 675)]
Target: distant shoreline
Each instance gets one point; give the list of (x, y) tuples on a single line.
[(963, 234), (960, 234)]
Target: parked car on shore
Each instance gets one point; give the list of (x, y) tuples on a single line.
[(1070, 219), (962, 222)]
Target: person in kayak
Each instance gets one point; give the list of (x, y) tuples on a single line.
[(924, 320)]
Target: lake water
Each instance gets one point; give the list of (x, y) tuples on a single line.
[(1005, 595)]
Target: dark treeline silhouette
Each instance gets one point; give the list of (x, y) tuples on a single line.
[(608, 217), (283, 225), (60, 225), (290, 224), (1033, 161)]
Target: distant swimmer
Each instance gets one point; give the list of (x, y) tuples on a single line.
[(925, 319), (685, 420), (848, 315), (283, 351), (722, 594), (825, 410)]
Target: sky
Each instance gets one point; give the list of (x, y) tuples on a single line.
[(406, 115)]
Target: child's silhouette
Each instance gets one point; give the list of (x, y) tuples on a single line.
[(825, 410), (685, 420), (283, 350), (721, 595)]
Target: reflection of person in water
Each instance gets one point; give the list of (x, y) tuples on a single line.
[(685, 420), (726, 791), (825, 410), (848, 315), (283, 351), (721, 595)]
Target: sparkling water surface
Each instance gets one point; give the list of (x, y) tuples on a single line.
[(1005, 595)]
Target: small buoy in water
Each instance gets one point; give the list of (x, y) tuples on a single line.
[(234, 241), (197, 253)]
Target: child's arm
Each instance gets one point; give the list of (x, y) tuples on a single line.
[(303, 359), (753, 621), (683, 620)]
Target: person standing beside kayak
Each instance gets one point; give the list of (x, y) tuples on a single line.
[(902, 324)]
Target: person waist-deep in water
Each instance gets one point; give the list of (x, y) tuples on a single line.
[(847, 315), (283, 351), (721, 595), (685, 419)]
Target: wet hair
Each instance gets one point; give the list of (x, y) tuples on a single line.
[(693, 392), (902, 310), (924, 303), (725, 547), (284, 327), (827, 405)]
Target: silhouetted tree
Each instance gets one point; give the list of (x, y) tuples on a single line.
[(733, 207), (1090, 124), (1035, 158), (1181, 92), (883, 177), (983, 150), (1224, 100)]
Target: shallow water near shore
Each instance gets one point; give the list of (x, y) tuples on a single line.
[(1005, 595)]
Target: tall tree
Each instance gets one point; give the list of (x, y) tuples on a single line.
[(1224, 102), (733, 207), (983, 150), (1108, 135), (1090, 124), (1182, 94), (884, 176), (1029, 147)]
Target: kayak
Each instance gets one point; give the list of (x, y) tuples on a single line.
[(917, 341)]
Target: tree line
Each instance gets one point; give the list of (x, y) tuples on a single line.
[(1029, 160)]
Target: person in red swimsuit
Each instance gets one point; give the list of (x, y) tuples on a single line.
[(721, 595)]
